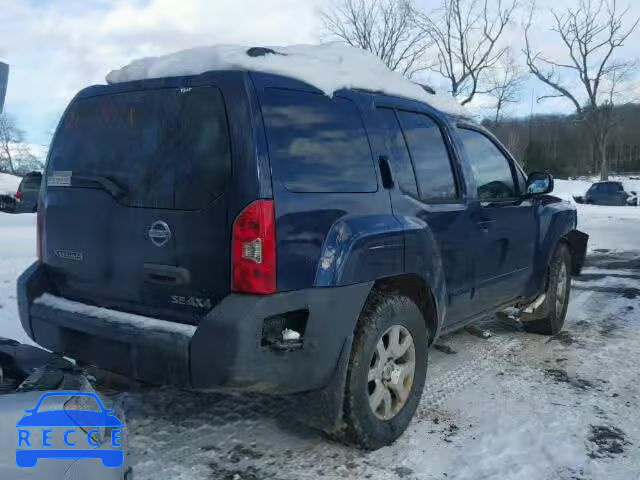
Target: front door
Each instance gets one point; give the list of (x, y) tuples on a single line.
[(505, 219)]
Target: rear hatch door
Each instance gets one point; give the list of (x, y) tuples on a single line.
[(135, 207)]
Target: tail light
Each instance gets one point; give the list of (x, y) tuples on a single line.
[(253, 249), (39, 231), (19, 196)]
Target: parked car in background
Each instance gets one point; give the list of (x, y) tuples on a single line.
[(607, 193), (7, 203), (26, 198)]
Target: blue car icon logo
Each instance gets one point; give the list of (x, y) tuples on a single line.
[(72, 432)]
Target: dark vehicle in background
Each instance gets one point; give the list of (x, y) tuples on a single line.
[(240, 230), (26, 198), (7, 203), (607, 193)]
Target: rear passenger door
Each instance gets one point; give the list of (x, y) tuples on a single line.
[(506, 220), (427, 189)]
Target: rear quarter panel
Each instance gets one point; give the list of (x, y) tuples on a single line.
[(332, 239)]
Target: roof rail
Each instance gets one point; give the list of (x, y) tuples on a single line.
[(426, 88), (262, 52)]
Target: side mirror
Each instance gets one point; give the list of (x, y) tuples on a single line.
[(539, 183)]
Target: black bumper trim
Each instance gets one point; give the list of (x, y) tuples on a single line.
[(225, 351)]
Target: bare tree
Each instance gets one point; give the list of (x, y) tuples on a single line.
[(592, 77), (10, 135), (385, 28), (466, 34), (504, 84)]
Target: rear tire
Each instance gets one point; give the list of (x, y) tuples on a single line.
[(558, 290), (387, 371)]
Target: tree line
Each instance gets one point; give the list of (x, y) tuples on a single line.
[(562, 145), (462, 43)]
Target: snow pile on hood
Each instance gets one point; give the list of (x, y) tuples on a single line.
[(329, 67), (9, 184)]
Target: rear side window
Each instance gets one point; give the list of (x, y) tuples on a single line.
[(491, 169), (430, 157), (316, 143), (399, 153), (167, 148)]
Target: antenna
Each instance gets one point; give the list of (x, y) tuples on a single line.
[(4, 79)]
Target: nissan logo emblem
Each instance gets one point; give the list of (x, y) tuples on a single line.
[(160, 233)]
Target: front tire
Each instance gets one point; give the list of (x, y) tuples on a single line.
[(554, 308), (387, 371)]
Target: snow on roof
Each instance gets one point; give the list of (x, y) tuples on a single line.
[(329, 67)]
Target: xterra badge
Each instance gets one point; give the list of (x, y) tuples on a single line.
[(69, 255)]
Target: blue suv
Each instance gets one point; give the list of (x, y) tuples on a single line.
[(241, 230)]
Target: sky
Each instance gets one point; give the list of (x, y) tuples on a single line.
[(57, 47)]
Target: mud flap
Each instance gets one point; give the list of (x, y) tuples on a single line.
[(323, 409), (578, 245)]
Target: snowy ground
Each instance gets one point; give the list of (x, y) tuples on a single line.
[(515, 406)]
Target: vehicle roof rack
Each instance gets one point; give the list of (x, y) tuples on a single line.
[(427, 88), (262, 52)]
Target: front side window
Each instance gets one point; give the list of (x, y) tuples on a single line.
[(430, 157), (491, 168)]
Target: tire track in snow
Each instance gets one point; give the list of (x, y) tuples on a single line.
[(498, 348)]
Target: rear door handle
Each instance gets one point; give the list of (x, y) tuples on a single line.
[(385, 172), (166, 275)]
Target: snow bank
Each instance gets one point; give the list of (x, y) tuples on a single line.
[(329, 67), (9, 184)]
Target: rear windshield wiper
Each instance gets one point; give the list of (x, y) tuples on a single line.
[(106, 183)]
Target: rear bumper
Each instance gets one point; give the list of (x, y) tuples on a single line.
[(225, 351)]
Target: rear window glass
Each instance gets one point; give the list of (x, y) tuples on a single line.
[(316, 143), (167, 148)]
